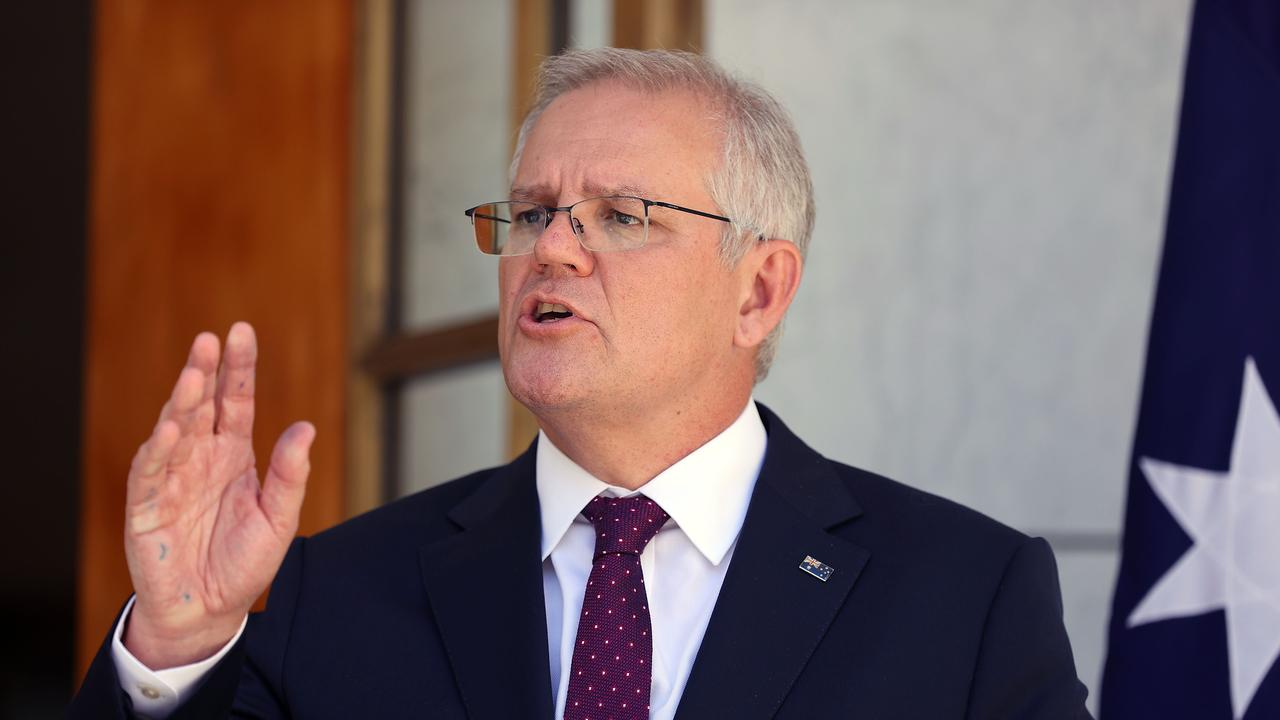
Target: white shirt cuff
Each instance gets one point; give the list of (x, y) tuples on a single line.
[(157, 693)]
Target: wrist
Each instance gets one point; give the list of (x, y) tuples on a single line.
[(160, 648)]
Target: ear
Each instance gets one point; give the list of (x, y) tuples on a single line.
[(770, 274)]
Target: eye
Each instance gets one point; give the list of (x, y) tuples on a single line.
[(622, 218), (530, 217)]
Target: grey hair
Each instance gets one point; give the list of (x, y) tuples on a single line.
[(762, 181)]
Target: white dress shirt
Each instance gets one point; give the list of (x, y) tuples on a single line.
[(705, 493)]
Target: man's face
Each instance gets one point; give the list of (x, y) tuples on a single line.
[(652, 328)]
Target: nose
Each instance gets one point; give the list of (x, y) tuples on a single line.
[(557, 249)]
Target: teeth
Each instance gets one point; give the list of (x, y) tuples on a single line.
[(551, 312)]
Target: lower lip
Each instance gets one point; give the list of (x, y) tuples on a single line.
[(533, 328)]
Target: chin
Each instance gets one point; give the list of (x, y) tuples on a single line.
[(544, 390)]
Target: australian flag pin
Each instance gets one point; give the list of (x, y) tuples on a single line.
[(816, 568)]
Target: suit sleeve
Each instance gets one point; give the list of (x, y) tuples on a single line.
[(247, 683), (1025, 669)]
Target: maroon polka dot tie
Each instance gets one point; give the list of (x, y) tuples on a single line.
[(612, 654)]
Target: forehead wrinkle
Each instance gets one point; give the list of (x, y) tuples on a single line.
[(543, 193), (593, 189), (529, 193)]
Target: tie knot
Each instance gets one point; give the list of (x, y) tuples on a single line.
[(624, 525)]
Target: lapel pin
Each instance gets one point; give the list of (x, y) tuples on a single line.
[(816, 568)]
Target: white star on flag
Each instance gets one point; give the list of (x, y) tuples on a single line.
[(1233, 519)]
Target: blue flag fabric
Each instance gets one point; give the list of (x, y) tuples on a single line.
[(1195, 626)]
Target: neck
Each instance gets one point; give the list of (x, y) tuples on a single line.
[(632, 452)]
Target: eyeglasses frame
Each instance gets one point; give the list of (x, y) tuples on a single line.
[(576, 227)]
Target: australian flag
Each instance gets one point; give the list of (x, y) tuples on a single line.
[(1195, 625)]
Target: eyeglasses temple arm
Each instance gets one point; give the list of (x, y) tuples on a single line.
[(672, 206)]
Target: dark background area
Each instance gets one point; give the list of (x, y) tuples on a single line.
[(45, 50)]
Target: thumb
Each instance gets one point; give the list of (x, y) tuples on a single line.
[(286, 481)]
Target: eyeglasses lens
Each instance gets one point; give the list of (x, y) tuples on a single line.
[(601, 224)]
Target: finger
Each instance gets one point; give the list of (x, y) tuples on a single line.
[(182, 409), (152, 457), (204, 357), (202, 362), (234, 398), (146, 476), (186, 395), (286, 482)]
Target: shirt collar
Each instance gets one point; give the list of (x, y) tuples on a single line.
[(706, 492)]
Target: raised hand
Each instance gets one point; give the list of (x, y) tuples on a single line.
[(202, 537)]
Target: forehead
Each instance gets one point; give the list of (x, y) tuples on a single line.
[(607, 138)]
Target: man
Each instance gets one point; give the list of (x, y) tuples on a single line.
[(666, 548)]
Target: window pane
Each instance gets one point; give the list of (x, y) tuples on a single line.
[(456, 143), (452, 423), (457, 138)]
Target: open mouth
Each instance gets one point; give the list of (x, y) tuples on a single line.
[(550, 312)]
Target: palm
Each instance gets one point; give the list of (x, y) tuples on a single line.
[(202, 539), (195, 555)]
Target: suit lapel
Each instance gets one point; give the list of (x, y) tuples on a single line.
[(770, 614), (485, 588)]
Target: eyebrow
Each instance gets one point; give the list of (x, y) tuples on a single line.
[(538, 193)]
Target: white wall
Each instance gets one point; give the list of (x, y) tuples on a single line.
[(991, 179)]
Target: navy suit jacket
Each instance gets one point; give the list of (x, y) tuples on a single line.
[(432, 607)]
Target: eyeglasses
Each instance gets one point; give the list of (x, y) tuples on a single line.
[(601, 224)]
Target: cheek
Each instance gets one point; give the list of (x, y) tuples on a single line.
[(675, 313), (510, 277), (506, 270), (511, 274)]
